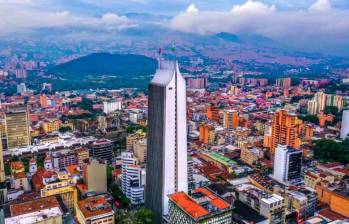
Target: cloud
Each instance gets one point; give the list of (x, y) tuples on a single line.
[(192, 9), (24, 15), (321, 5), (319, 22), (253, 7)]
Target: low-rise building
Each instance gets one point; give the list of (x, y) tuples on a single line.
[(41, 211), (203, 206), (94, 210)]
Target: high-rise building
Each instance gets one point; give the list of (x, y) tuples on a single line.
[(231, 119), (283, 82), (167, 138), (213, 113), (284, 130), (132, 185), (17, 127), (345, 125), (3, 188), (287, 163), (207, 133), (103, 150)]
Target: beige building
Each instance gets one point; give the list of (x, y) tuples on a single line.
[(83, 156), (94, 210), (17, 127), (39, 211), (131, 138), (251, 155), (140, 150), (95, 177)]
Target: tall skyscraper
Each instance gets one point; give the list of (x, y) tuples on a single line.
[(17, 127), (345, 125), (287, 163), (284, 130), (3, 189), (167, 138)]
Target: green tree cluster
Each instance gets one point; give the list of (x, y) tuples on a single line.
[(142, 216), (327, 150)]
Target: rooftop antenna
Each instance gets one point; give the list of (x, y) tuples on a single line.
[(159, 57)]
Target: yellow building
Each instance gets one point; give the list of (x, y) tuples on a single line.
[(17, 167), (251, 155), (17, 128), (51, 125), (83, 156), (94, 210), (131, 138), (60, 184)]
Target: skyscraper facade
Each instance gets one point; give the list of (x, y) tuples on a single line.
[(230, 119), (3, 189), (287, 163), (167, 138), (17, 127), (284, 130)]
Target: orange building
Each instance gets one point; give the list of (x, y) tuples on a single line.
[(230, 119), (213, 113), (337, 201), (284, 130), (323, 118), (43, 101), (207, 134)]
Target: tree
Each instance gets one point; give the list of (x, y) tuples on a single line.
[(65, 129), (331, 110), (145, 216), (328, 150)]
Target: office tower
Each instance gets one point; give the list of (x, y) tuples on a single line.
[(345, 125), (213, 113), (132, 185), (17, 127), (167, 138), (230, 119), (203, 206), (103, 150), (284, 130), (3, 189), (21, 88), (287, 163)]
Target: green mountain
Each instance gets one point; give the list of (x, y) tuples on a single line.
[(104, 70)]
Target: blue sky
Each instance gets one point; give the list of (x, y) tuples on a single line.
[(166, 7)]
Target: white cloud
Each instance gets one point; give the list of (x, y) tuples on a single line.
[(320, 22), (321, 5), (23, 15), (253, 7), (192, 9)]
